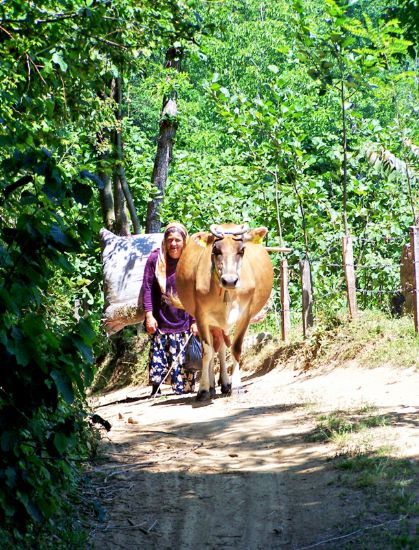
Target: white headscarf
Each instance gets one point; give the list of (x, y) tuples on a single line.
[(173, 227)]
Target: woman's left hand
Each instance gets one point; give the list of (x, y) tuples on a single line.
[(194, 329)]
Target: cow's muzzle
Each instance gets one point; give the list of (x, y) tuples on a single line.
[(229, 281)]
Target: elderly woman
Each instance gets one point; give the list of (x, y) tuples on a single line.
[(168, 326)]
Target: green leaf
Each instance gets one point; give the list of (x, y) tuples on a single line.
[(64, 385), (225, 92), (84, 349), (57, 58), (82, 193), (7, 441), (10, 476), (33, 325), (61, 442), (20, 346), (33, 511), (86, 331), (59, 236)]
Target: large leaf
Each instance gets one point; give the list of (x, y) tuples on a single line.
[(64, 385), (82, 193), (58, 59), (61, 442)]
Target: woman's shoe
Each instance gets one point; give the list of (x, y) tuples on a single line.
[(155, 390)]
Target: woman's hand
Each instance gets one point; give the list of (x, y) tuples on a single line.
[(150, 323), (194, 329)]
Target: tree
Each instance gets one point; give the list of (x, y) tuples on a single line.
[(344, 53), (61, 88), (167, 133), (188, 26)]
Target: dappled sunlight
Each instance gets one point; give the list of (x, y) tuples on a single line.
[(176, 469)]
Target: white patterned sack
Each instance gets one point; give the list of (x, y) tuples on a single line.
[(124, 259)]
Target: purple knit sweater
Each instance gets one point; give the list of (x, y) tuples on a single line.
[(169, 318)]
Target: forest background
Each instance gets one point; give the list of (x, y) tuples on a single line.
[(301, 116)]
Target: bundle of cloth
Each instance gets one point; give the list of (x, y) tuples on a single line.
[(123, 260)]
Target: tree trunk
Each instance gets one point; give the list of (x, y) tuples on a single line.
[(119, 167), (121, 219), (345, 162), (168, 125), (115, 197), (106, 202)]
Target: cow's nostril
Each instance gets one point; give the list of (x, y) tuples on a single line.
[(229, 280)]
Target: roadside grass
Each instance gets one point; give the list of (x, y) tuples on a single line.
[(367, 465), (124, 363), (339, 426), (386, 476), (389, 483), (373, 338)]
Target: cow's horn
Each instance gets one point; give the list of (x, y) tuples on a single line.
[(243, 230), (215, 232)]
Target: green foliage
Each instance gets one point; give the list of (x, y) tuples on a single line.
[(58, 62), (46, 362), (390, 477), (287, 161), (329, 427), (407, 12), (261, 100)]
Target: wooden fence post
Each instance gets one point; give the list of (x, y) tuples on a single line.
[(285, 302), (307, 296), (285, 299), (414, 244), (348, 265)]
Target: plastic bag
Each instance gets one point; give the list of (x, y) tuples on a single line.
[(193, 354)]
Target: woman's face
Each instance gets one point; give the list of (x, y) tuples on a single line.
[(174, 244)]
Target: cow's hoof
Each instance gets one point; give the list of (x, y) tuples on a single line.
[(226, 389), (203, 395), (212, 392)]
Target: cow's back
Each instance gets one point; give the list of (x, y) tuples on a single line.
[(186, 274), (257, 272)]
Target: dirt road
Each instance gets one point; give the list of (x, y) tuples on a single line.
[(244, 473)]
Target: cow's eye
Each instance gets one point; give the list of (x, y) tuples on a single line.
[(241, 252), (216, 252)]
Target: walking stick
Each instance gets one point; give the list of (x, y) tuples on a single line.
[(175, 362)]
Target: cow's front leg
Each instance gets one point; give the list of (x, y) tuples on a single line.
[(207, 374), (212, 376), (224, 377), (236, 384)]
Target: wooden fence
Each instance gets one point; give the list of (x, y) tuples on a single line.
[(349, 269)]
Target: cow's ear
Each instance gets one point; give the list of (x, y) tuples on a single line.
[(203, 239), (255, 236), (203, 268)]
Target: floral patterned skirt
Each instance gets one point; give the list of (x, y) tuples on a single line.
[(168, 350)]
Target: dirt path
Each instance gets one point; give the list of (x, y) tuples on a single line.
[(243, 473)]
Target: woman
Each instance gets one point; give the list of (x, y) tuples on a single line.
[(168, 326)]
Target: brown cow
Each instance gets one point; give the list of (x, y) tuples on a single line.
[(223, 279)]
